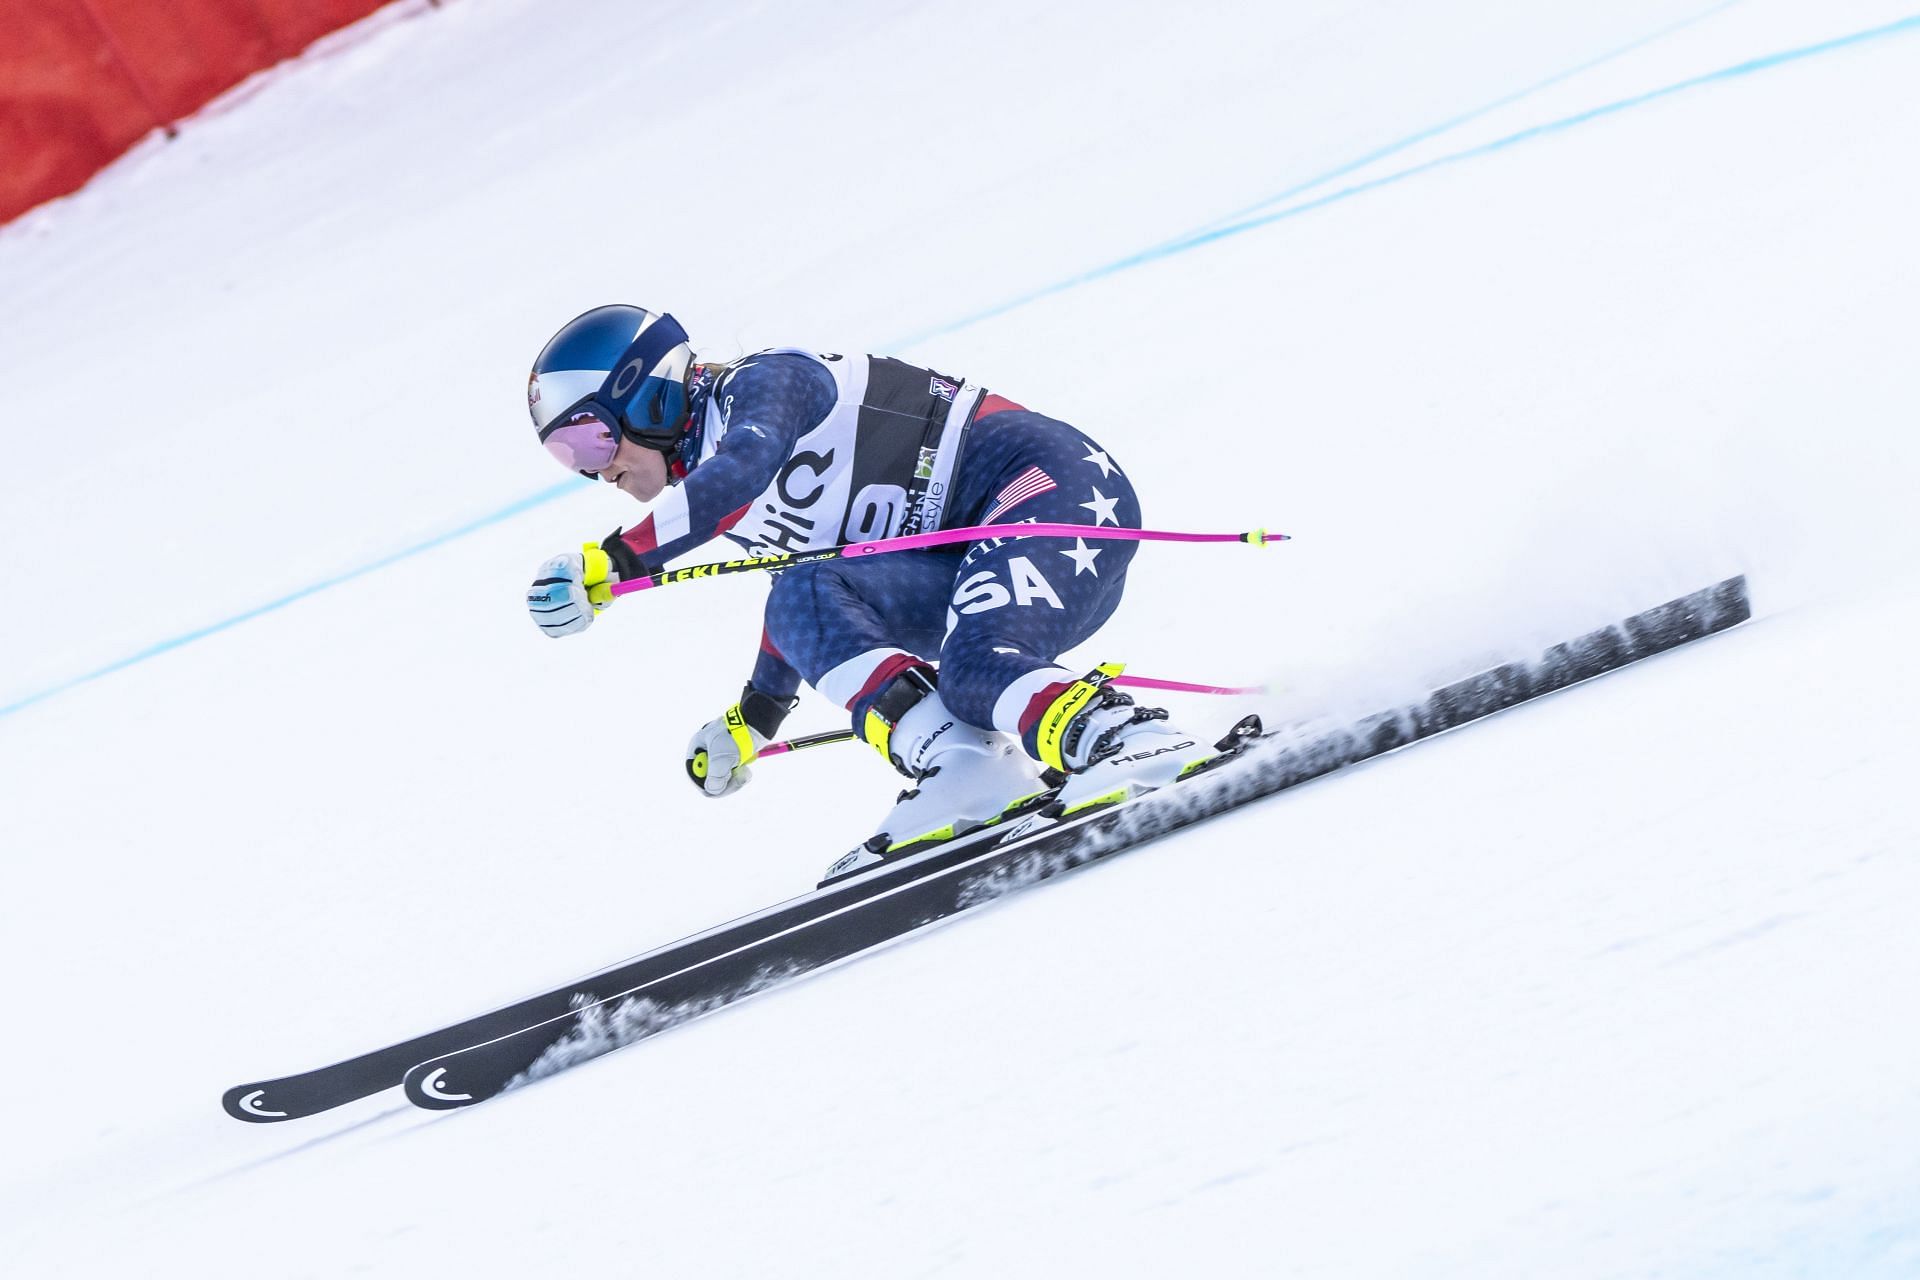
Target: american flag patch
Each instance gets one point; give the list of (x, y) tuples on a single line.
[(1030, 483)]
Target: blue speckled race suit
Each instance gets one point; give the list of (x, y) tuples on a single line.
[(993, 615)]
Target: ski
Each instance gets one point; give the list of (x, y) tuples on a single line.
[(311, 1092), (893, 900)]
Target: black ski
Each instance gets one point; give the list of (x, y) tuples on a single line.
[(311, 1092), (704, 973)]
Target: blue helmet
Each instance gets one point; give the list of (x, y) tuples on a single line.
[(624, 365)]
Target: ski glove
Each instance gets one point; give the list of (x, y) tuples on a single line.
[(570, 589), (721, 750)]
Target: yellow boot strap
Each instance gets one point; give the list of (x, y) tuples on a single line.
[(1055, 719), (900, 696), (879, 733)]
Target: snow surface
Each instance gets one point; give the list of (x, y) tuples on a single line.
[(1520, 317)]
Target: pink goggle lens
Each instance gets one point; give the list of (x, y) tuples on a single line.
[(582, 443)]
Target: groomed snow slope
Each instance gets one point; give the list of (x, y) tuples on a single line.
[(1589, 309)]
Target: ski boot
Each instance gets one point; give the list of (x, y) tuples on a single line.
[(964, 778), (1110, 749)]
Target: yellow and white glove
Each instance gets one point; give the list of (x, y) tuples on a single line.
[(721, 750), (570, 589)]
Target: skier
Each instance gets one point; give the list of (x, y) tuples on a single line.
[(946, 658)]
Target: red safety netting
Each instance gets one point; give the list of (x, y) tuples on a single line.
[(83, 80)]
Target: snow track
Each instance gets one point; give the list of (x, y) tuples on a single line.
[(1617, 986)]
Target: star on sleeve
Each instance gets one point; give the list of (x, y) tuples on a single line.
[(1102, 507), (1099, 458), (1082, 556)]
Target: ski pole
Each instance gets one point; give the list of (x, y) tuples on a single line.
[(1181, 686), (938, 538), (801, 744), (1126, 682)]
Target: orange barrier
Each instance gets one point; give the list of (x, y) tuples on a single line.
[(83, 80)]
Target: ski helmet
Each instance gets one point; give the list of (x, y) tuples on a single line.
[(615, 371)]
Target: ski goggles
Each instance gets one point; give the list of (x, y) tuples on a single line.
[(584, 437)]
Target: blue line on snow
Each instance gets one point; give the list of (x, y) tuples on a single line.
[(1154, 253), (495, 517), (1187, 238), (1513, 139), (1208, 236), (1414, 139)]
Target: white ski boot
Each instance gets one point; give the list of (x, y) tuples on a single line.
[(964, 778), (1110, 749)]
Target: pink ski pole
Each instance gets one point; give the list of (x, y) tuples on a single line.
[(938, 538)]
